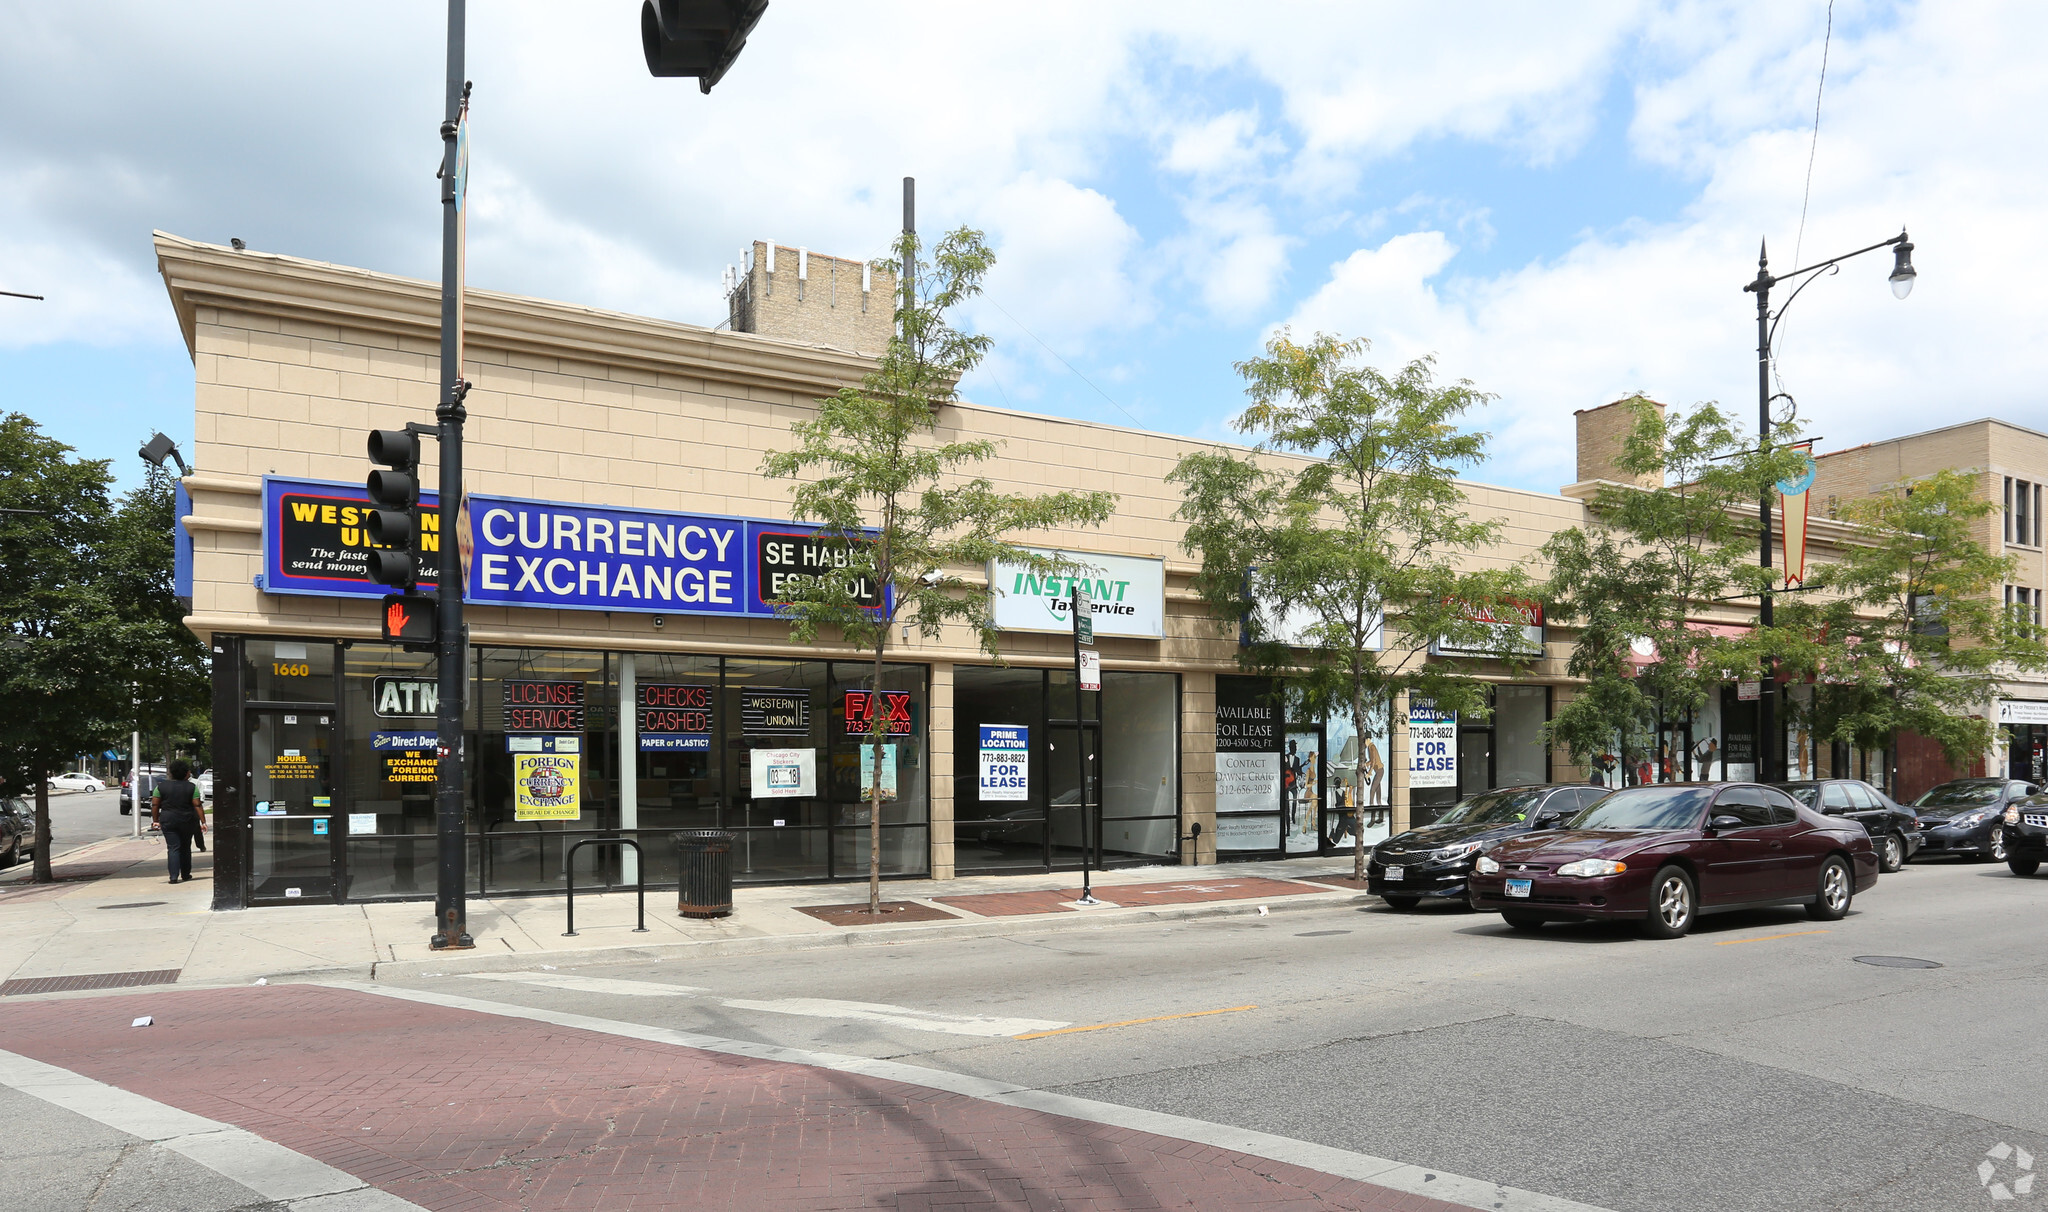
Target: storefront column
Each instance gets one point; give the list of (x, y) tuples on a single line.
[(230, 753), (628, 781), (1198, 767), (1399, 758), (939, 746)]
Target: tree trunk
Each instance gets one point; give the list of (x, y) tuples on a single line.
[(877, 720), (41, 874), (1358, 724)]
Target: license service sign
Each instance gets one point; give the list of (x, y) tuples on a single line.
[(1128, 595), (1005, 762), (1432, 745)]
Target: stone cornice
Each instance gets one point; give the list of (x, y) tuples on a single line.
[(266, 284)]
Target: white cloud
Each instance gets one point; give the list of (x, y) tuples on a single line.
[(1934, 124)]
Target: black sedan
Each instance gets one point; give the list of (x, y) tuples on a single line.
[(1894, 829), (1434, 861), (1962, 817)]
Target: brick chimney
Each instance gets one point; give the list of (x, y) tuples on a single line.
[(1602, 432), (798, 295)]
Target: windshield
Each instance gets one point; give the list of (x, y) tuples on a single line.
[(1960, 795), (1646, 808), (1494, 808), (1805, 793)]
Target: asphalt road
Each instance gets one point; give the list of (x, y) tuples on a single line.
[(1754, 1065), (80, 818)]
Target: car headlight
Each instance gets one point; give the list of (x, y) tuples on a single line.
[(1486, 866), (2012, 814), (1456, 852), (1968, 819), (1592, 867)]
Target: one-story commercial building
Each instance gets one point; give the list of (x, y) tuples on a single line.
[(627, 671)]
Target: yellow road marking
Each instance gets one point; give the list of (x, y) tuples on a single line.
[(1132, 1022), (1765, 938)]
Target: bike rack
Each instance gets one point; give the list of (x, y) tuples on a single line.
[(641, 867)]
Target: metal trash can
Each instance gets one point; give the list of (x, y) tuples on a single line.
[(704, 873)]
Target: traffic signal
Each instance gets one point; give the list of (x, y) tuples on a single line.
[(393, 525), (410, 619), (697, 38)]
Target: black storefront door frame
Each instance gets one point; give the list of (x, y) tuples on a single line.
[(300, 846)]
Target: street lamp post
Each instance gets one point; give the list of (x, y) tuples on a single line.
[(1770, 750)]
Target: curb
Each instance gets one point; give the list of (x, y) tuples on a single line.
[(454, 964)]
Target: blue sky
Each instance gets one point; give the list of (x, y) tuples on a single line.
[(1560, 208)]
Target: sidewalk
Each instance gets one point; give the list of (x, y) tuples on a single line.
[(114, 916)]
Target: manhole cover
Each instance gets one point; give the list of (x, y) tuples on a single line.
[(1895, 961), (136, 905), (1320, 933)]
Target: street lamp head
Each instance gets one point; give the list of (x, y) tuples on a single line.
[(1902, 267), (159, 448)]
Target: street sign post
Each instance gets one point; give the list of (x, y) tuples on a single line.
[(1084, 633)]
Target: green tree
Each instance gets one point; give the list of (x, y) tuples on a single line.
[(1910, 634), (64, 685), (135, 569), (1647, 564), (907, 506), (1344, 567)]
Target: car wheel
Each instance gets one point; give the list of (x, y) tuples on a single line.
[(1522, 921), (1402, 904), (1998, 854), (1673, 904), (2020, 866), (1891, 853), (1837, 889)]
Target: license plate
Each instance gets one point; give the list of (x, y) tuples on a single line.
[(1396, 874), (1518, 887)]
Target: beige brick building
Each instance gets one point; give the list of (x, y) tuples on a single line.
[(2010, 464), (621, 681)]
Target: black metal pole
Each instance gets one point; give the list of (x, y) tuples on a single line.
[(451, 915), (1767, 743), (1081, 748)]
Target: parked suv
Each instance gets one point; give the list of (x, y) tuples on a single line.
[(2024, 829), (1434, 860), (1894, 829)]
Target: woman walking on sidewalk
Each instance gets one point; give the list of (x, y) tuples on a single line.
[(174, 807)]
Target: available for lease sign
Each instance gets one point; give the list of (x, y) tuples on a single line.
[(1005, 762), (1129, 595), (1432, 745)]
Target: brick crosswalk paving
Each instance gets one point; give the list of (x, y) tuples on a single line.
[(460, 1111)]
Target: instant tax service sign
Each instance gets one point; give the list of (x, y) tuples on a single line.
[(1128, 592), (1005, 762)]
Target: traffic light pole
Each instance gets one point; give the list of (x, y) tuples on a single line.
[(451, 913)]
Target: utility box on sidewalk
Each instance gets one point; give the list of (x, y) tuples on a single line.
[(704, 873)]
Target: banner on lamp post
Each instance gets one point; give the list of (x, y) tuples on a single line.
[(1793, 497)]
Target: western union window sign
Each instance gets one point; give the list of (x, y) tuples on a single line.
[(1129, 595)]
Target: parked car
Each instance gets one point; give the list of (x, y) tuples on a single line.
[(1894, 829), (1663, 855), (1962, 817), (17, 831), (76, 781), (2024, 826), (1433, 862)]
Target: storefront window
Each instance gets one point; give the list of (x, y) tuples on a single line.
[(1357, 789), (1249, 777), (1140, 785), (389, 701), (541, 766), (899, 703), (998, 768), (777, 803), (289, 671)]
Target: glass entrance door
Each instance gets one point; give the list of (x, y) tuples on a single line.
[(293, 846), (1068, 833)]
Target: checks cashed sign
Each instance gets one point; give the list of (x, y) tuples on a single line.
[(1128, 592)]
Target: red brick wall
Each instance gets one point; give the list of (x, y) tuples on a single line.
[(1921, 765)]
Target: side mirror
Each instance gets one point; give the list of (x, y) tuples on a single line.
[(1724, 822), (1545, 820)]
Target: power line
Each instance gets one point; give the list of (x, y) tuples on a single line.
[(1063, 362), (1814, 145)]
